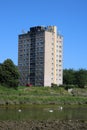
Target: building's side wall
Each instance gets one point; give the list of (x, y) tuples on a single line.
[(24, 58), (39, 60), (54, 40), (32, 58), (59, 60), (47, 59), (53, 58)]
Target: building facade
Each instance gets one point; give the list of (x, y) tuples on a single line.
[(40, 56)]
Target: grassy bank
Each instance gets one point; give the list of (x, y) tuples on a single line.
[(41, 95)]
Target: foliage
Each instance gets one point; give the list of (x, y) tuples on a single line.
[(69, 76), (54, 85), (81, 78), (9, 74), (73, 77), (68, 86)]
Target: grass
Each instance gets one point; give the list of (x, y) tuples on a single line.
[(41, 95)]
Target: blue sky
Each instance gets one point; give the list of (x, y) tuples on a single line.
[(70, 17)]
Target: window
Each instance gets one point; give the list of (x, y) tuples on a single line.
[(59, 65), (59, 60), (52, 73), (60, 51), (59, 75), (56, 65), (41, 43), (52, 49), (27, 45)]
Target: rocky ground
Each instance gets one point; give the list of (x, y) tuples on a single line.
[(43, 125)]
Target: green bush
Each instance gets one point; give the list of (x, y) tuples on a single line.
[(54, 85), (66, 87), (9, 74)]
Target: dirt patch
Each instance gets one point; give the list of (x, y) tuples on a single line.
[(43, 125)]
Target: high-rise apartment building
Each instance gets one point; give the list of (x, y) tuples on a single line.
[(40, 53)]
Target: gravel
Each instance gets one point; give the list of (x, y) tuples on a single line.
[(44, 125)]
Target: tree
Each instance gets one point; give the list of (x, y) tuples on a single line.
[(68, 77), (75, 77), (1, 74), (9, 74), (81, 78)]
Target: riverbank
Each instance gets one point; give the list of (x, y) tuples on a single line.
[(43, 125), (42, 95)]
